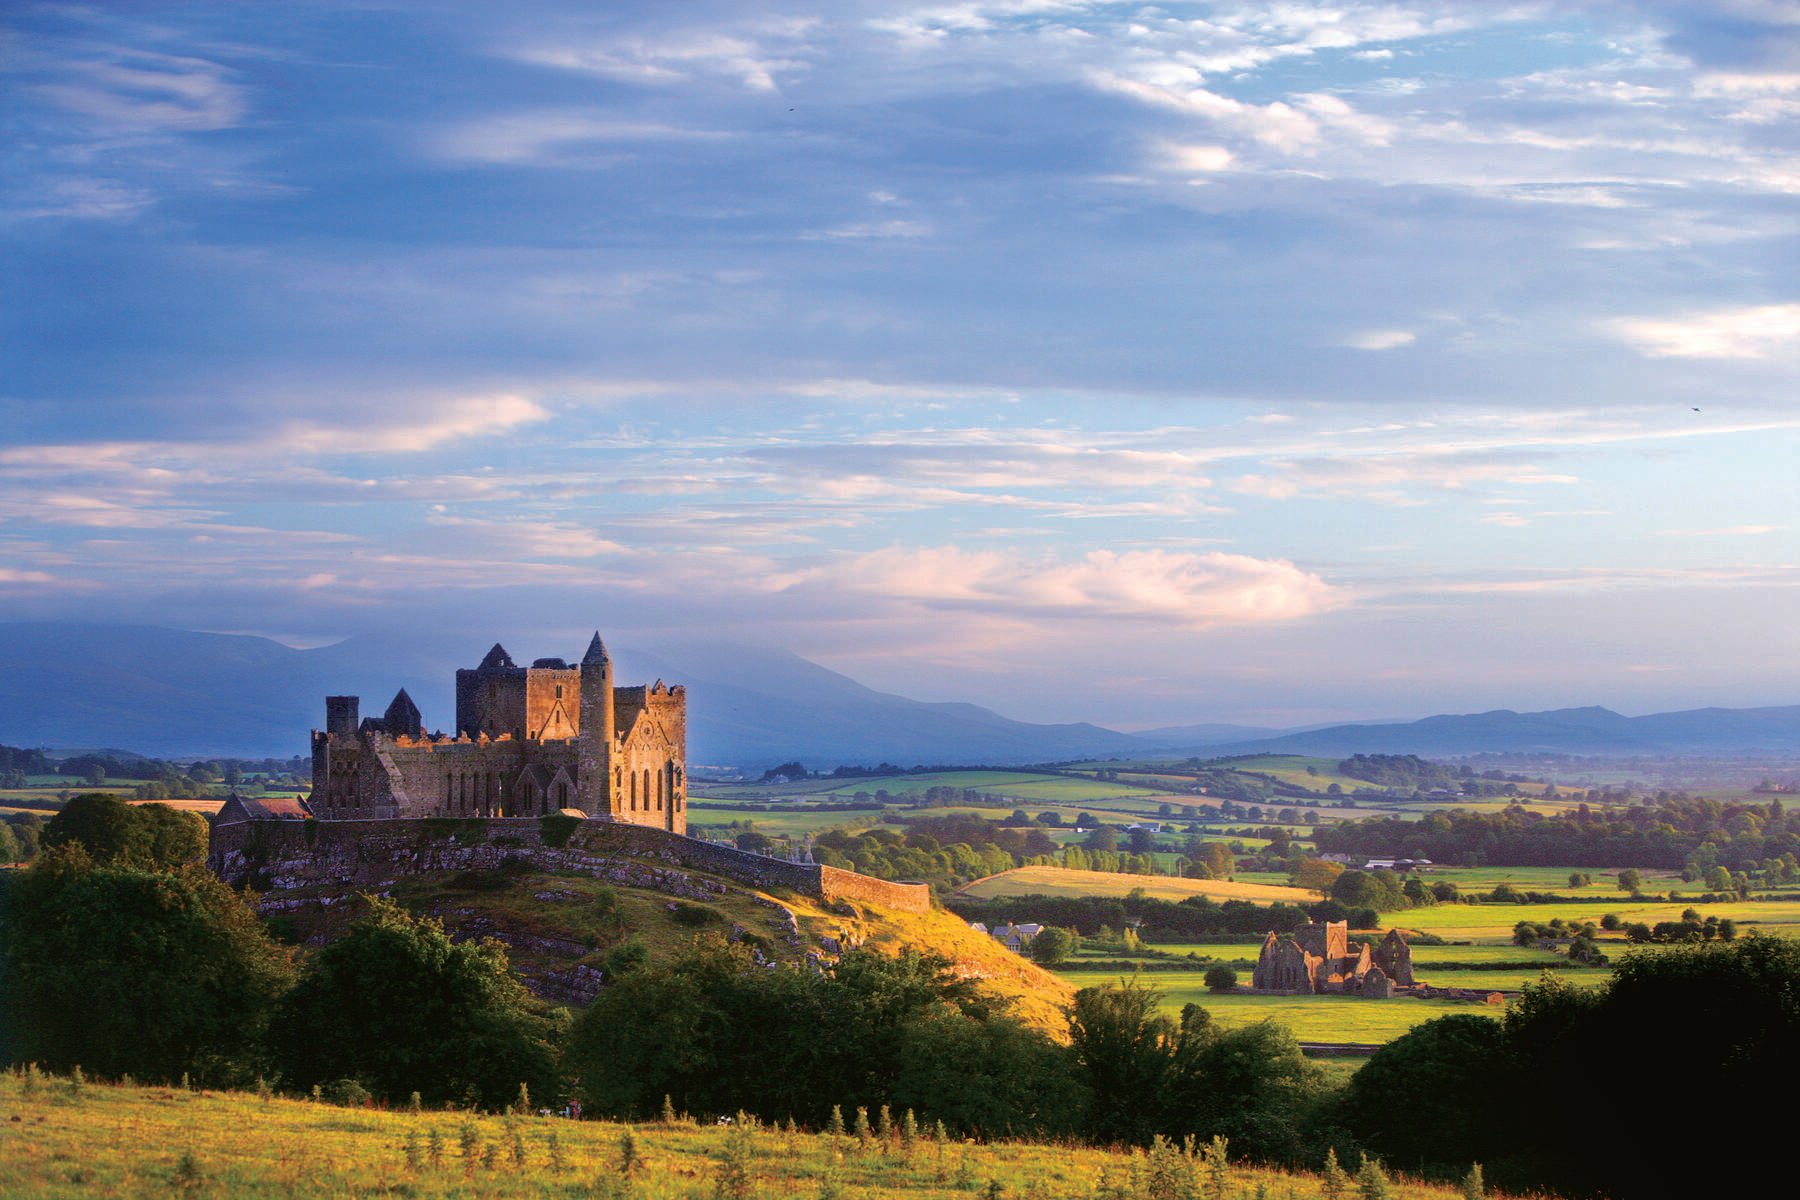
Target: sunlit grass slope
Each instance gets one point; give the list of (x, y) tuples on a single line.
[(552, 922), (125, 1141)]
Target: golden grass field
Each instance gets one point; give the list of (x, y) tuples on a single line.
[(1056, 881), (107, 1141)]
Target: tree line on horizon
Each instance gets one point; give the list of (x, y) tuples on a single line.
[(1668, 832)]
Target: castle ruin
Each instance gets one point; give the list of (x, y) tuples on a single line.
[(1316, 960), (529, 741)]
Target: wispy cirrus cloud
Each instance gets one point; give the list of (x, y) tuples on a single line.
[(557, 138)]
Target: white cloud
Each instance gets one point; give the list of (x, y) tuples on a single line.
[(1380, 339), (1194, 590), (743, 55), (463, 417), (1206, 159), (1752, 332), (530, 537), (874, 229)]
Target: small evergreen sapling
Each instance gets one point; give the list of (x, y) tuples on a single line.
[(835, 1126), (1336, 1180), (1473, 1186), (1218, 1167), (731, 1176), (1371, 1180), (863, 1133)]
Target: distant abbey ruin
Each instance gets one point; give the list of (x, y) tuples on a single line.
[(529, 741), (1316, 959)]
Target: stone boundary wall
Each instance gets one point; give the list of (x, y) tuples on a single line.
[(297, 853)]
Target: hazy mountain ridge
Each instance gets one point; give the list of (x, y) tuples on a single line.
[(175, 693)]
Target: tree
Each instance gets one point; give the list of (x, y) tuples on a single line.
[(1315, 874), (1452, 1060), (1220, 978), (153, 836), (1379, 890), (1631, 880), (125, 970), (1251, 1086), (397, 1005), (1051, 946), (1125, 1051)]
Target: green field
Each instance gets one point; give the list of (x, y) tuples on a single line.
[(1496, 921), (112, 1141), (796, 824), (1055, 881), (1424, 956), (1553, 879), (1312, 1018)]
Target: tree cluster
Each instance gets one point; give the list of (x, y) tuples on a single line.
[(24, 762), (944, 850), (1722, 1019), (121, 955)]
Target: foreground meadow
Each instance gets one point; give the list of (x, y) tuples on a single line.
[(101, 1140)]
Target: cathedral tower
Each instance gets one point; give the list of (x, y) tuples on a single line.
[(598, 733)]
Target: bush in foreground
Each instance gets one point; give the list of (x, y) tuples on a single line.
[(397, 1006)]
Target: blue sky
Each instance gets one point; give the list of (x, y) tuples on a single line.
[(1139, 364)]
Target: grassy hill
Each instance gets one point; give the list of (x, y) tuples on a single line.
[(102, 1140), (559, 926)]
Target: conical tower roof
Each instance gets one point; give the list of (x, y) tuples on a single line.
[(596, 652)]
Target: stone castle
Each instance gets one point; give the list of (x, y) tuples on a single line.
[(529, 741), (1316, 959)]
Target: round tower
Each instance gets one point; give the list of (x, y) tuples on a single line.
[(594, 743)]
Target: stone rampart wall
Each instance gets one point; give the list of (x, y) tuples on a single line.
[(289, 854)]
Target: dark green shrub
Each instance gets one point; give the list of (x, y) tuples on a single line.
[(696, 914)]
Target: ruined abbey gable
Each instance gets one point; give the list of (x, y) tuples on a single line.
[(1316, 959), (528, 741)]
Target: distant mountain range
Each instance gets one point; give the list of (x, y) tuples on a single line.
[(171, 693)]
